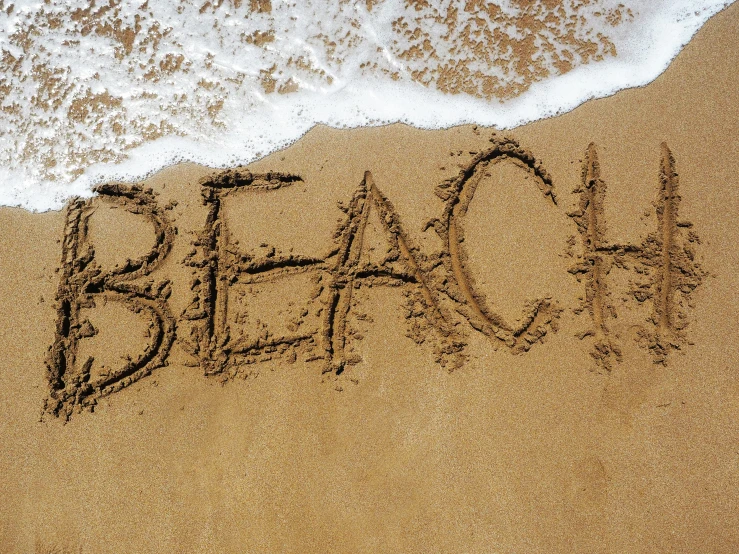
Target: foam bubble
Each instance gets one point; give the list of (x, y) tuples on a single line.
[(117, 91)]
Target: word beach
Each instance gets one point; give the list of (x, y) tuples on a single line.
[(225, 328)]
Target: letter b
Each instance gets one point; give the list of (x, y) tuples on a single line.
[(83, 281)]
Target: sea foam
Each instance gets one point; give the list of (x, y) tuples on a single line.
[(115, 91)]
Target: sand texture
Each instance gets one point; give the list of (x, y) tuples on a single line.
[(393, 340)]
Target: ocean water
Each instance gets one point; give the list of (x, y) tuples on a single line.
[(93, 91)]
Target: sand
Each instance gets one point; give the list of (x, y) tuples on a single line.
[(392, 340)]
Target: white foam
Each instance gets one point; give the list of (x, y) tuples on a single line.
[(214, 108)]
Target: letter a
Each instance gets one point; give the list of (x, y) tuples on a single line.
[(400, 266)]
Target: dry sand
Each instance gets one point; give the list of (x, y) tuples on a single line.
[(393, 340)]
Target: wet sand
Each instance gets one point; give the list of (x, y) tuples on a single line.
[(390, 339)]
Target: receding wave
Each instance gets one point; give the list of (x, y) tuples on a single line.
[(116, 90)]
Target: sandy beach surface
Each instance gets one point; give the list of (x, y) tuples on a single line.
[(393, 340)]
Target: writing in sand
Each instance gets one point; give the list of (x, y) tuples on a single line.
[(248, 305)]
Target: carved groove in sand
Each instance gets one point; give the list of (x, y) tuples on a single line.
[(436, 287), (335, 276), (83, 283), (541, 314), (441, 304), (664, 265), (348, 271), (218, 264)]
